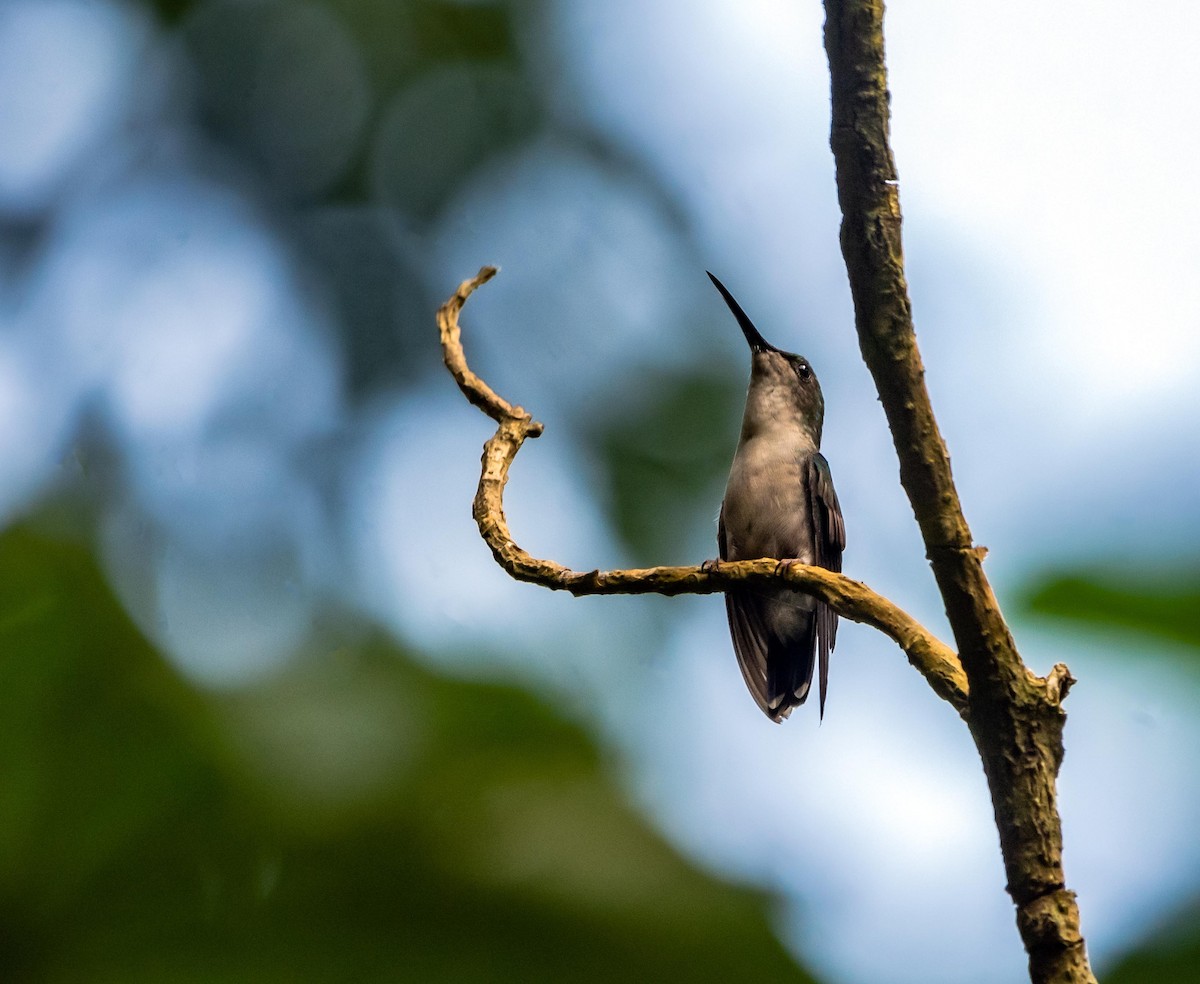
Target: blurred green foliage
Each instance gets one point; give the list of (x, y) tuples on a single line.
[(444, 91), (357, 818), (1172, 956), (361, 120), (666, 454), (1164, 605), (398, 37)]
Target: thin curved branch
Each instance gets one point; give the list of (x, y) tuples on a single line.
[(849, 598)]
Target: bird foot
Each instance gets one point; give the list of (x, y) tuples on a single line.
[(710, 566)]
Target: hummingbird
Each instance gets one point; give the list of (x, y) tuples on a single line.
[(780, 503)]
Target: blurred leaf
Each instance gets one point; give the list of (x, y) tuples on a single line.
[(441, 127), (1160, 605), (171, 11), (383, 315), (452, 29), (285, 84), (667, 456), (356, 819), (402, 37), (398, 37), (1172, 955), (346, 100)]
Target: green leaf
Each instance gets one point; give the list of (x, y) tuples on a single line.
[(1171, 955), (1164, 605), (357, 818)]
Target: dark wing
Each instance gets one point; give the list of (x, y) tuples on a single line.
[(748, 632), (829, 540)]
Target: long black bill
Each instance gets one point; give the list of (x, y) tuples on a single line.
[(757, 342)]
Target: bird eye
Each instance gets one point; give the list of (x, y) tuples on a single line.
[(803, 370)]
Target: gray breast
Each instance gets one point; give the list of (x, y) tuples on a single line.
[(766, 508)]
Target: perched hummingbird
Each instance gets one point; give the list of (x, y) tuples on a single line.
[(780, 503)]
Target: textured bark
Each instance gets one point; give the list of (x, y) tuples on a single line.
[(1015, 717)]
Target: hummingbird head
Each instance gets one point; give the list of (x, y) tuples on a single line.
[(783, 387)]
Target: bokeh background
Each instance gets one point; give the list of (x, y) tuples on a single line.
[(269, 711)]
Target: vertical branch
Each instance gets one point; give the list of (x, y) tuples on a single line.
[(1015, 717)]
